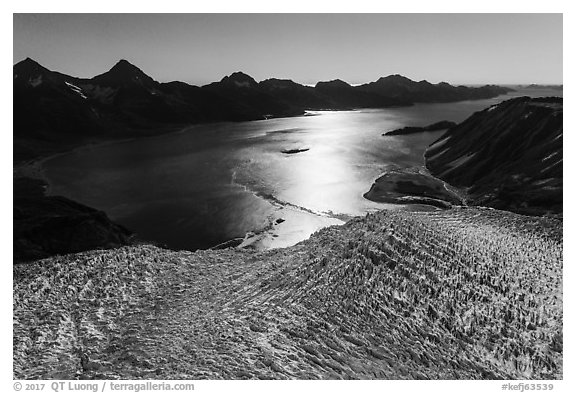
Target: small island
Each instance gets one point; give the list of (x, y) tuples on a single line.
[(441, 125), (294, 151)]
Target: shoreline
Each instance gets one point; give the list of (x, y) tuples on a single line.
[(33, 169), (267, 237), (182, 127), (414, 185), (302, 222)]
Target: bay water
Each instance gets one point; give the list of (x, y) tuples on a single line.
[(210, 183)]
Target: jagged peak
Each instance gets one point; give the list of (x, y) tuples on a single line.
[(31, 73), (279, 83), (124, 66), (123, 73), (29, 65), (124, 62), (278, 80), (334, 82), (239, 77), (26, 61), (394, 78)]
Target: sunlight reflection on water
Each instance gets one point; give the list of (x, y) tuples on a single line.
[(213, 182)]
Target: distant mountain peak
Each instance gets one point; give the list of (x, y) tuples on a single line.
[(278, 80), (276, 83), (394, 78), (334, 83), (240, 75), (125, 67), (239, 79), (124, 62), (123, 73), (28, 60), (30, 73), (28, 66)]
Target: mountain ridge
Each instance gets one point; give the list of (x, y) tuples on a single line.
[(508, 156), (53, 109), (123, 73)]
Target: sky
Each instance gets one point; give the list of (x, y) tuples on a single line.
[(307, 48)]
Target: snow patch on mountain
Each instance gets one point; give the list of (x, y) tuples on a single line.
[(76, 90)]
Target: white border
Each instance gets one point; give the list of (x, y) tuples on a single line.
[(357, 6)]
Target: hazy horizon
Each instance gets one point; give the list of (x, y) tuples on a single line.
[(198, 49)]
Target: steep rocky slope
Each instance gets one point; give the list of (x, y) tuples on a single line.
[(464, 293), (508, 156), (50, 225)]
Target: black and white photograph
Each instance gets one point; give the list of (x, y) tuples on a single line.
[(287, 196)]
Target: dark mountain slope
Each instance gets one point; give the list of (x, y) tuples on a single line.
[(51, 225), (249, 101), (206, 105), (344, 96), (401, 88), (54, 111), (136, 100), (49, 110), (125, 74), (508, 155), (298, 95)]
